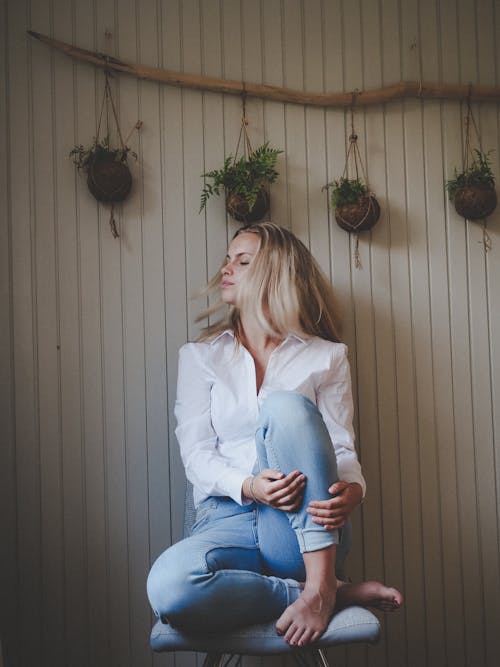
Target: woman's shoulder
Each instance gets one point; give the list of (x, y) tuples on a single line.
[(206, 348), (330, 347)]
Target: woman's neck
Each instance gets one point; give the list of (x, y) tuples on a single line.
[(260, 345), (255, 338)]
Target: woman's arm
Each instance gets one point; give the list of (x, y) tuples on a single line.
[(334, 400), (205, 467)]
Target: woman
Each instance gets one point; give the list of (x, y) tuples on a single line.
[(264, 415)]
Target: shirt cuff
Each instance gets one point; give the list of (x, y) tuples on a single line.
[(350, 479), (233, 483)]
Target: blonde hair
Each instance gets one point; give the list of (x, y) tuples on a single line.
[(284, 290)]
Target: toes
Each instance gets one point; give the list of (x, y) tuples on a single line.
[(293, 635), (307, 637)]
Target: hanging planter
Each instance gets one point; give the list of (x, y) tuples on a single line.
[(472, 191), (108, 174), (245, 180), (242, 210), (356, 208)]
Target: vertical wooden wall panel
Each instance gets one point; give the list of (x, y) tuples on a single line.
[(153, 375), (213, 122), (386, 318), (274, 113), (176, 289), (29, 565), (113, 274), (295, 143), (131, 98), (317, 212), (47, 339), (87, 100), (9, 614), (75, 581), (92, 475)]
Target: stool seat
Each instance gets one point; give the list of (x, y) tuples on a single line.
[(352, 624)]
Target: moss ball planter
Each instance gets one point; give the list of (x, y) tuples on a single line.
[(472, 191), (239, 209), (359, 216), (475, 202), (109, 180), (356, 209)]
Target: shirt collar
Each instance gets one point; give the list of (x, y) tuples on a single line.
[(230, 332)]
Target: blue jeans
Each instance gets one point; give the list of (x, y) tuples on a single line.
[(243, 564)]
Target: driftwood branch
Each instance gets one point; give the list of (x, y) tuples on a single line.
[(401, 90)]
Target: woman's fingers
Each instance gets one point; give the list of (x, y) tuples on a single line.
[(282, 491), (330, 514)]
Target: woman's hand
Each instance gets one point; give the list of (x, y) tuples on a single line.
[(334, 513), (271, 487)]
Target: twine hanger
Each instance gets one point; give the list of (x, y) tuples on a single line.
[(106, 114), (470, 124), (353, 158), (353, 153), (107, 104), (243, 136)]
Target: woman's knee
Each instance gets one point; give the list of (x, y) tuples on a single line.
[(169, 583), (289, 407)]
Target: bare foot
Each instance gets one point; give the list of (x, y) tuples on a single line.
[(305, 620), (368, 594)]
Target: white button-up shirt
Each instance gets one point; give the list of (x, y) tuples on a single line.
[(217, 406)]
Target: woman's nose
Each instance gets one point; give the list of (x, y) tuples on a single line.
[(226, 269)]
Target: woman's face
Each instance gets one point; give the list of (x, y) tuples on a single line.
[(240, 253)]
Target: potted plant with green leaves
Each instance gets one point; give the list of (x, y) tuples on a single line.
[(108, 175), (245, 182), (472, 190), (356, 208)]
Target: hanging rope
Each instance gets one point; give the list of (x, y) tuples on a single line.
[(468, 154), (107, 103), (247, 146), (120, 171), (353, 156), (353, 166)]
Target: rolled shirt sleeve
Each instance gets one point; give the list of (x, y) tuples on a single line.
[(334, 401), (206, 468)]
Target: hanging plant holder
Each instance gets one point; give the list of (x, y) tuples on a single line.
[(475, 202), (359, 216), (109, 180), (239, 209), (245, 179), (356, 208), (108, 175), (472, 190)]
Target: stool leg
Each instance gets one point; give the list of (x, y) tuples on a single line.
[(322, 658), (310, 658), (222, 660), (213, 660)]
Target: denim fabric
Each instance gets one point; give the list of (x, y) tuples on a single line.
[(242, 563)]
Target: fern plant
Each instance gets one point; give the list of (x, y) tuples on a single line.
[(346, 191), (245, 177), (479, 173), (100, 149)]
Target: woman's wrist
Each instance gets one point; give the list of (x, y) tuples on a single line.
[(249, 490)]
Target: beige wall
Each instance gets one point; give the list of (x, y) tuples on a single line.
[(90, 477)]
